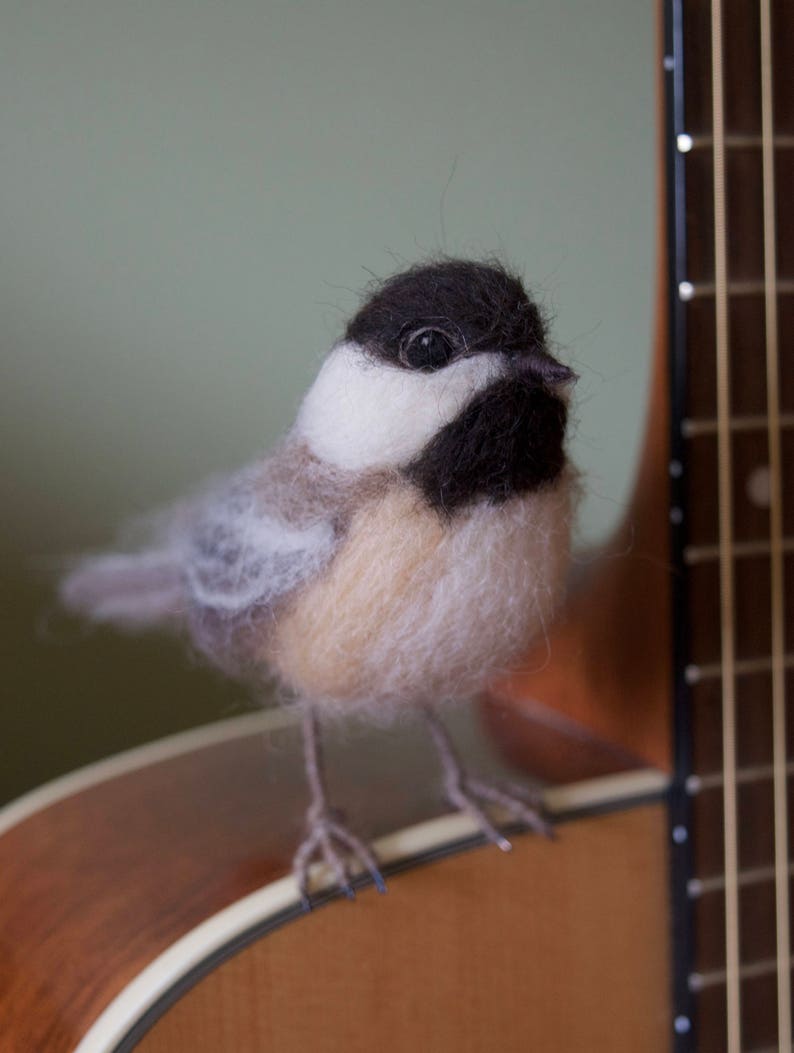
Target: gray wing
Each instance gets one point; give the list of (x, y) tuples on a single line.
[(245, 551), (220, 560), (251, 545)]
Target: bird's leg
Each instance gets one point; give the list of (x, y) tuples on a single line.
[(328, 838), (468, 794)]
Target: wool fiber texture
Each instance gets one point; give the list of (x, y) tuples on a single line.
[(408, 537), (478, 306), (415, 609), (218, 566), (361, 414), (508, 440)]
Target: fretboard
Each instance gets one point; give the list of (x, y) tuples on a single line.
[(725, 508)]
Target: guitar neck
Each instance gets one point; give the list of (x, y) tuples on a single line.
[(732, 162)]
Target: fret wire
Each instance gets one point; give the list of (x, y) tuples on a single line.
[(696, 554), (697, 887), (725, 501), (696, 672), (737, 142), (692, 428), (776, 541), (748, 287), (749, 971), (752, 773)]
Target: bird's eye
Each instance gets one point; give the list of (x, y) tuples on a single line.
[(427, 350)]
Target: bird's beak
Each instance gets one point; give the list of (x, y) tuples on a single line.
[(542, 366)]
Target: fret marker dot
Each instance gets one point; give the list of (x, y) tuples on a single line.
[(682, 1025), (686, 290), (676, 515), (676, 469), (684, 143), (680, 835), (669, 63), (759, 487)]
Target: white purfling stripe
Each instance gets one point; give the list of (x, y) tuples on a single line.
[(606, 789), (140, 757), (162, 974)]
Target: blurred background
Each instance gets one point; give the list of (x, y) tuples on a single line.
[(193, 195)]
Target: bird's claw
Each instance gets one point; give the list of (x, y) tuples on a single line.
[(330, 842), (521, 805)]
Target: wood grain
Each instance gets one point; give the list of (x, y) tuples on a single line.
[(558, 947), (96, 886)]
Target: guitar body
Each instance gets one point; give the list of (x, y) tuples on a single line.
[(448, 966), (147, 905)]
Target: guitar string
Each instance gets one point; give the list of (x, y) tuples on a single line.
[(725, 503), (776, 568)]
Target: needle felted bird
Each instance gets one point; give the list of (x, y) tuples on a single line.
[(401, 546)]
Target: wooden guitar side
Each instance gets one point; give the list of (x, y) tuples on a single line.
[(117, 898)]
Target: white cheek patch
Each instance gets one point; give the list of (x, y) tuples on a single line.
[(362, 413)]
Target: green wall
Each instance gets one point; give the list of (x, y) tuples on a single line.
[(193, 193)]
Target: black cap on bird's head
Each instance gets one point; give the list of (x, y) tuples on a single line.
[(434, 313), (509, 438)]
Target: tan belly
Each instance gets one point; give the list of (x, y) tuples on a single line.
[(414, 608)]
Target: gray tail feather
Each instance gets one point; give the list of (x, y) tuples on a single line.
[(130, 590)]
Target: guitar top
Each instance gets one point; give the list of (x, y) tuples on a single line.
[(123, 885)]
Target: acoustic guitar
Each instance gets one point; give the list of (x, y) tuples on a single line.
[(146, 902)]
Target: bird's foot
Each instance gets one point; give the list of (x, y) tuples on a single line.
[(330, 842), (520, 805)]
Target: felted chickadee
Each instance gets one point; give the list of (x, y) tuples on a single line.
[(399, 548)]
